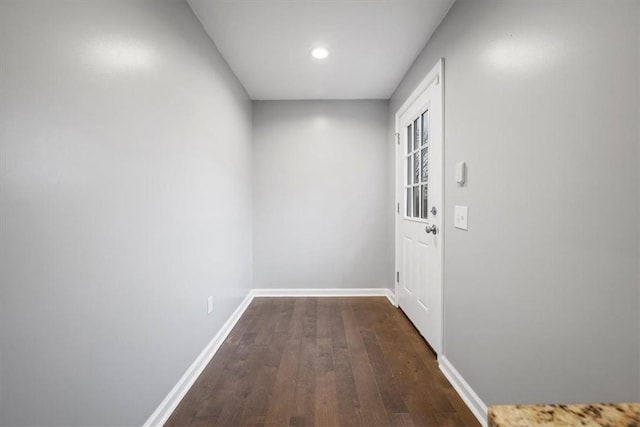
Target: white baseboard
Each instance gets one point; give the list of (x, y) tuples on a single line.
[(350, 292), (171, 401), (391, 296), (477, 407)]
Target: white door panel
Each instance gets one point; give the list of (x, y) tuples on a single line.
[(407, 263), (422, 272)]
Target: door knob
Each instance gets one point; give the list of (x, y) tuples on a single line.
[(434, 211), (430, 229)]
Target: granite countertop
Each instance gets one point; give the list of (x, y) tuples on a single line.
[(595, 414)]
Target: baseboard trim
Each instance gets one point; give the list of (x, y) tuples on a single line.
[(391, 296), (177, 393), (171, 401), (336, 292), (472, 400)]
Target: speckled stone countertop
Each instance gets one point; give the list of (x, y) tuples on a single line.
[(595, 414)]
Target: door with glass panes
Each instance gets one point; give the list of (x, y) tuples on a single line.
[(419, 220)]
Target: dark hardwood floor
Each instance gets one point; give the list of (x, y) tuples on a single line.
[(322, 362)]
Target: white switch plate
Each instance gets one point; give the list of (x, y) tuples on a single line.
[(209, 305), (461, 214)]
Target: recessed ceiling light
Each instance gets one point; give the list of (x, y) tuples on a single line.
[(320, 53)]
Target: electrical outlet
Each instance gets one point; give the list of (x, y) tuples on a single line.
[(209, 305)]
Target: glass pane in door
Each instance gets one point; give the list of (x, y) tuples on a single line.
[(416, 202), (424, 202), (425, 164), (425, 127), (409, 139), (416, 133)]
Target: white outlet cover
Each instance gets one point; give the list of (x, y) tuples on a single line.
[(209, 305), (461, 215)]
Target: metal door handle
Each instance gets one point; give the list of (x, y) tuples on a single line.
[(430, 229)]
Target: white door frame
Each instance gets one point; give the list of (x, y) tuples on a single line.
[(436, 75)]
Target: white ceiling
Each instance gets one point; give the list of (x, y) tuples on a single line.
[(268, 43)]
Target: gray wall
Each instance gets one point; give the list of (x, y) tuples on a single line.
[(321, 176), (126, 201), (541, 101)]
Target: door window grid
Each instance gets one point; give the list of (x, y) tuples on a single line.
[(417, 161)]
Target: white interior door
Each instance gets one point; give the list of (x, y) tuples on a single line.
[(419, 181)]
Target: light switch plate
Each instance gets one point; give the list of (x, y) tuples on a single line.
[(209, 305), (461, 214)]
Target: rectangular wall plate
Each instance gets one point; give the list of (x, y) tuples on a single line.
[(460, 217), (461, 173)]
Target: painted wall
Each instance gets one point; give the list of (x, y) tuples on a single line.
[(126, 200), (541, 101), (321, 178)]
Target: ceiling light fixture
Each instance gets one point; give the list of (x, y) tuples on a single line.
[(320, 53)]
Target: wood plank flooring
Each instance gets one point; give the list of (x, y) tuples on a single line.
[(323, 362)]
